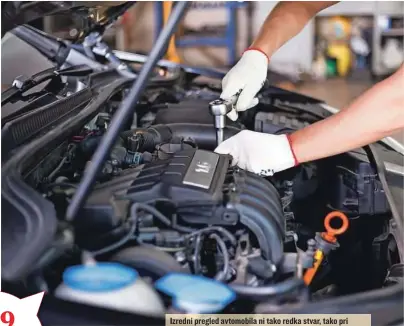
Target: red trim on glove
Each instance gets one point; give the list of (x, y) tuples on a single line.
[(291, 149), (256, 49)]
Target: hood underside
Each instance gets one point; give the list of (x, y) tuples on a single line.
[(15, 13)]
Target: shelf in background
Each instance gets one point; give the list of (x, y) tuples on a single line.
[(393, 32)]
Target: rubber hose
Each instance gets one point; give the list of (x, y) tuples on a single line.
[(204, 135), (221, 276), (269, 290), (151, 136), (149, 260)]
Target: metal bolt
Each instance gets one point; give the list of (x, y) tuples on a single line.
[(180, 256), (289, 183), (122, 66), (311, 243), (232, 187)]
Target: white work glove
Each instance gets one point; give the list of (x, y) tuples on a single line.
[(246, 78), (262, 154)]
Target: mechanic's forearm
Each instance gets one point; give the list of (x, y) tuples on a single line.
[(285, 21), (378, 113)]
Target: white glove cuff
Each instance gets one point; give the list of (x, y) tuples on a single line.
[(279, 157), (257, 57), (286, 157)]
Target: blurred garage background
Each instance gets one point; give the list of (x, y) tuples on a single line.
[(340, 53)]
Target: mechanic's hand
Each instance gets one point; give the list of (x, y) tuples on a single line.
[(263, 154), (247, 76)]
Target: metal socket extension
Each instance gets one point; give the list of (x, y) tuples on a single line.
[(219, 109)]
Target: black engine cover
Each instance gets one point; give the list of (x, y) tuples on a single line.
[(204, 189)]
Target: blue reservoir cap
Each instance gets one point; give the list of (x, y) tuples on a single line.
[(196, 294), (100, 277)]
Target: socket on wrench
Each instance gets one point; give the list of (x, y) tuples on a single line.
[(219, 109)]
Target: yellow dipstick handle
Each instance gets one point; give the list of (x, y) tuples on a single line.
[(329, 236), (309, 275)]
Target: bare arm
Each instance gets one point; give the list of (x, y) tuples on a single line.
[(376, 114), (285, 21)]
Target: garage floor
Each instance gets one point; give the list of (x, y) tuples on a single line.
[(339, 92)]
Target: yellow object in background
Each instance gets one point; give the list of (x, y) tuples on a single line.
[(172, 54), (341, 27), (338, 48), (342, 53)]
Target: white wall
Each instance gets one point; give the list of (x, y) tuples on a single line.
[(364, 8), (299, 51), (351, 8)]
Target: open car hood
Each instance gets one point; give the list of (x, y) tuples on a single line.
[(15, 13), (88, 102)]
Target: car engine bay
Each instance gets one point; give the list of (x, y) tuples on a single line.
[(164, 202)]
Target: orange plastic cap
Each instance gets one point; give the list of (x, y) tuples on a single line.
[(332, 232)]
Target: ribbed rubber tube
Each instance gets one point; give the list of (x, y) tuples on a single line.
[(204, 135)]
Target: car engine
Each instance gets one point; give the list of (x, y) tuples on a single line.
[(181, 198), (202, 191), (165, 202)]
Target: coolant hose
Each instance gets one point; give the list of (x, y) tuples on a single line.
[(204, 135), (269, 290)]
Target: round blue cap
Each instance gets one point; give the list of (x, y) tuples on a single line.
[(196, 294), (100, 277)]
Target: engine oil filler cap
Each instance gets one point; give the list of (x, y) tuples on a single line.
[(100, 277), (195, 294)]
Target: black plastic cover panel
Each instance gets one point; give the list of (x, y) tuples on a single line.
[(204, 189), (189, 176)]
